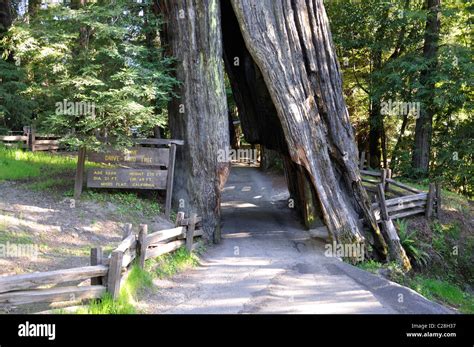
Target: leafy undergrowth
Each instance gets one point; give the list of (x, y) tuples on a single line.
[(441, 252)]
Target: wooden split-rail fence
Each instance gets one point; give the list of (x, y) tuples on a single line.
[(106, 275), (31, 140)]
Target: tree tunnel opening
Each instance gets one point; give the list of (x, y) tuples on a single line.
[(258, 118)]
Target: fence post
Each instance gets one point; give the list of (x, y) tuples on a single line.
[(169, 180), (438, 199), (179, 218), (81, 159), (127, 231), (190, 232), (383, 205), (96, 259), (142, 246), (32, 138), (115, 272), (383, 178), (388, 176), (429, 201), (362, 161)]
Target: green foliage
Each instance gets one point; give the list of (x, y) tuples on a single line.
[(137, 281), (16, 164), (127, 204), (443, 291), (370, 266), (100, 56), (414, 249), (169, 264), (364, 29)]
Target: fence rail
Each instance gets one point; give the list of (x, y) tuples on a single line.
[(32, 140), (105, 274)]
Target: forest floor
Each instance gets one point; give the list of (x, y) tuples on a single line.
[(267, 263)]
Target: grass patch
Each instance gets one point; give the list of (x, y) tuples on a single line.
[(51, 183), (169, 264), (370, 266), (16, 164), (17, 237), (127, 203), (136, 281), (443, 292)]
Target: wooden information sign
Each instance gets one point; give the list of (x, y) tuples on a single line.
[(134, 168)]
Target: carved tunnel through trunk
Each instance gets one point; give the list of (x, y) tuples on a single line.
[(258, 116)]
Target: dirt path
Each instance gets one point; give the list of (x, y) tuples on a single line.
[(266, 263)]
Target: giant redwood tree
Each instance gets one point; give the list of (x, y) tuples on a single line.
[(286, 81)]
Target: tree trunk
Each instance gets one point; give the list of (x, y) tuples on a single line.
[(5, 16), (33, 7), (305, 85), (199, 116), (287, 85), (424, 124)]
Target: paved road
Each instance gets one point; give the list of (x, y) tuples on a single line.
[(268, 264)]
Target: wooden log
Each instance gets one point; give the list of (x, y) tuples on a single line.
[(60, 294), (196, 234), (404, 206), (404, 186), (185, 222), (190, 232), (47, 142), (46, 147), (396, 251), (128, 242), (128, 257), (10, 138), (164, 248), (81, 159), (408, 213), (179, 218), (142, 245), (170, 180), (33, 280), (382, 203), (164, 235), (370, 173), (114, 274), (406, 198), (430, 201), (96, 259), (383, 179)]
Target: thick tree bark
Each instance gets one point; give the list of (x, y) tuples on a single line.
[(287, 85), (424, 124), (290, 42), (5, 16), (199, 116)]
